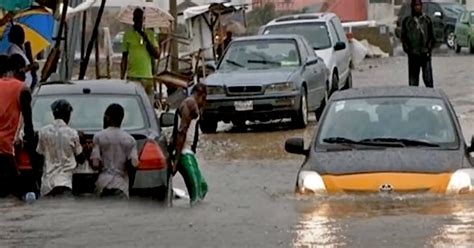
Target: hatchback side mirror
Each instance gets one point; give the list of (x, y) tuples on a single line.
[(295, 146), (340, 46), (167, 120)]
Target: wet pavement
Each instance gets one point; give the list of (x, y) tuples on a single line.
[(251, 201)]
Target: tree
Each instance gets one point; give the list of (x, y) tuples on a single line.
[(260, 16)]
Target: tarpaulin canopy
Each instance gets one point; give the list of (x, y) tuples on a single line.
[(199, 10)]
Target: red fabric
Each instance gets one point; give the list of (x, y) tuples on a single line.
[(10, 110)]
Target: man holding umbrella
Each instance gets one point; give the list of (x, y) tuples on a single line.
[(139, 49)]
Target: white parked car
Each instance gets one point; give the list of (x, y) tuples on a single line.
[(325, 33)]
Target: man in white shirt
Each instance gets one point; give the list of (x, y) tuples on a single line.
[(16, 37), (61, 147)]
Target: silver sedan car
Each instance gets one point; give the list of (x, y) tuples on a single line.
[(261, 78)]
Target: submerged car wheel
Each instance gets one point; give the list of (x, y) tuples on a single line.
[(471, 46), (301, 118), (165, 194), (335, 83), (208, 126), (348, 83), (457, 48)]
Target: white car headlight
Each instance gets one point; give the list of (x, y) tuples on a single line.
[(460, 182), (310, 182), (280, 87)]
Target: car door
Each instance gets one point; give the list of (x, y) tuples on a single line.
[(438, 25), (342, 56), (462, 28), (314, 75)]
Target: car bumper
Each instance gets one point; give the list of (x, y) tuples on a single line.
[(377, 183), (264, 107)]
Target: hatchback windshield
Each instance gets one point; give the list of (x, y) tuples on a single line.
[(89, 111), (419, 120), (261, 54), (315, 33)]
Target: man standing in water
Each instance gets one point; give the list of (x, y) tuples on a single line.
[(62, 150), (185, 139), (114, 150), (139, 49), (418, 41), (15, 101)]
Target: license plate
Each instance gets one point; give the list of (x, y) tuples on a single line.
[(243, 105)]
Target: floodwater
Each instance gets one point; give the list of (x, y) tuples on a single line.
[(388, 221), (251, 202)]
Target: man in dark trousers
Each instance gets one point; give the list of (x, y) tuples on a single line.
[(15, 104), (418, 41)]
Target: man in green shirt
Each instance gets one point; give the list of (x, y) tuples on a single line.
[(140, 48)]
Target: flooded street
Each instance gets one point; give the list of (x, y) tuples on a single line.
[(251, 201)]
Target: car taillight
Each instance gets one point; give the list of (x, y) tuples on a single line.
[(151, 157), (23, 160)]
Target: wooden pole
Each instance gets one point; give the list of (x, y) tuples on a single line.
[(95, 32), (174, 44), (97, 59)]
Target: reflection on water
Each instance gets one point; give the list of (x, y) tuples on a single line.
[(458, 231), (334, 221)]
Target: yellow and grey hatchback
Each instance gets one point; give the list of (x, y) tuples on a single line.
[(382, 139)]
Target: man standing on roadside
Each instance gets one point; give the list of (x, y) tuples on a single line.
[(418, 41), (15, 101), (139, 49)]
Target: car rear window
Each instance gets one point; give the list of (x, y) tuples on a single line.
[(316, 34), (88, 111)]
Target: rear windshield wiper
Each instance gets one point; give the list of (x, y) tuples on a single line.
[(401, 141), (265, 62), (234, 63)]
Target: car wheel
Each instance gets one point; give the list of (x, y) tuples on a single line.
[(450, 39), (348, 83), (208, 126), (319, 111), (301, 118), (335, 83), (165, 194)]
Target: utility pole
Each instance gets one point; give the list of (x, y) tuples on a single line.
[(174, 45)]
